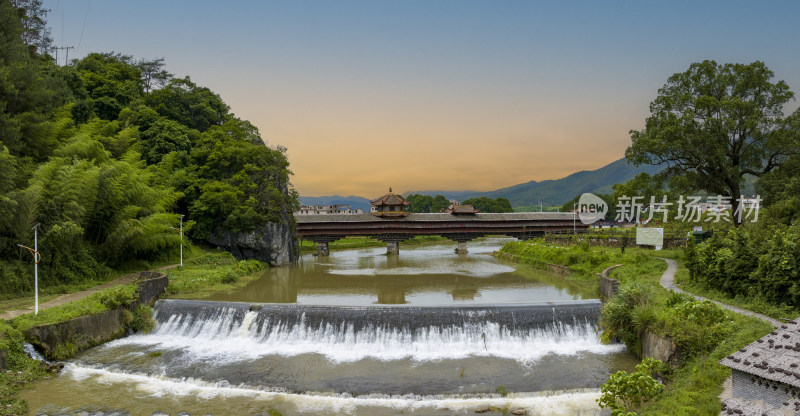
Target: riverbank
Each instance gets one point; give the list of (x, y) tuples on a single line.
[(204, 272), (704, 332)]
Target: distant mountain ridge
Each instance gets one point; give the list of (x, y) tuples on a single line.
[(558, 191), (552, 192), (355, 202)]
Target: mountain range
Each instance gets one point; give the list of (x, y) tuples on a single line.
[(552, 192)]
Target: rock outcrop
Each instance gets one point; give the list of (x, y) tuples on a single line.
[(274, 243), (661, 348)]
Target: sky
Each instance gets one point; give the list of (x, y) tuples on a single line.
[(436, 95)]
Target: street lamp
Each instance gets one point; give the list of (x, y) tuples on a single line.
[(574, 214), (36, 259), (180, 231)]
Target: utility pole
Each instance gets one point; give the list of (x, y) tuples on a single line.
[(180, 231), (36, 269), (574, 214), (36, 258)]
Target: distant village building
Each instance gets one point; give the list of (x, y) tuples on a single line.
[(327, 209), (389, 205), (766, 375), (462, 209)]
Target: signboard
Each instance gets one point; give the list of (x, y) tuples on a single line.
[(650, 237)]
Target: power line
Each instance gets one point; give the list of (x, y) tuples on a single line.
[(85, 18)]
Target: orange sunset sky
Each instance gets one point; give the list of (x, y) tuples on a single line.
[(443, 95)]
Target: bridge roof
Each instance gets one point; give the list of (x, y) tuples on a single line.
[(415, 217)]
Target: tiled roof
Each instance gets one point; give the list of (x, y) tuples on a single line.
[(390, 199), (514, 216), (775, 356), (464, 209), (741, 407)]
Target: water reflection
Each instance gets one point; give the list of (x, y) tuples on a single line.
[(429, 275)]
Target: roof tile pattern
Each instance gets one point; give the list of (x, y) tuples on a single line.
[(775, 356)]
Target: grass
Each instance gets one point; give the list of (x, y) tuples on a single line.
[(307, 246), (13, 301), (694, 387), (23, 372), (211, 273), (585, 262), (95, 303), (755, 304)]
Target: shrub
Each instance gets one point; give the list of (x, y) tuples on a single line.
[(624, 393), (230, 277), (627, 315), (118, 296), (143, 319)]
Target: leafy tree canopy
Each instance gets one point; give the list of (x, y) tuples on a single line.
[(713, 124), (107, 152), (485, 204)]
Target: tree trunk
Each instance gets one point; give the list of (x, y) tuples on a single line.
[(736, 194)]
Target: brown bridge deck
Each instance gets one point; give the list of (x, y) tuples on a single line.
[(323, 229)]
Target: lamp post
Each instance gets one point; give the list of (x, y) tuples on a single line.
[(36, 258), (180, 231), (574, 214)]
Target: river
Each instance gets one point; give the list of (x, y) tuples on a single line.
[(427, 333)]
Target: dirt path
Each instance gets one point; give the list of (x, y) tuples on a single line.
[(668, 281), (71, 297)]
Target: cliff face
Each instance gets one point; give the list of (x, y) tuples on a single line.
[(274, 243)]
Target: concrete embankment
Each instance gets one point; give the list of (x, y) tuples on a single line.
[(75, 335)]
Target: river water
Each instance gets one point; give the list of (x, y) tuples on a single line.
[(361, 333)]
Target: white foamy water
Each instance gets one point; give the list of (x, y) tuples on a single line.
[(226, 340), (577, 402)]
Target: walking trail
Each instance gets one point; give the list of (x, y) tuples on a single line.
[(71, 297), (668, 281)]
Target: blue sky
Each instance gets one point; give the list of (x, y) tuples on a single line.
[(437, 94)]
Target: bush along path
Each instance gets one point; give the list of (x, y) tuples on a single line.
[(72, 297), (668, 282)]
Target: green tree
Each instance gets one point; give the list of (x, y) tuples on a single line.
[(713, 124), (485, 204), (419, 203), (624, 392), (112, 82), (189, 104)]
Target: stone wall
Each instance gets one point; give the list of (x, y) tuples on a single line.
[(274, 243), (78, 334), (755, 389), (69, 337), (608, 286), (152, 285)]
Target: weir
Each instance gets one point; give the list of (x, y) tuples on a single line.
[(190, 315)]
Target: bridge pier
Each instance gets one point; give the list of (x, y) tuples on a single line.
[(322, 249), (461, 239), (393, 242), (462, 247)]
